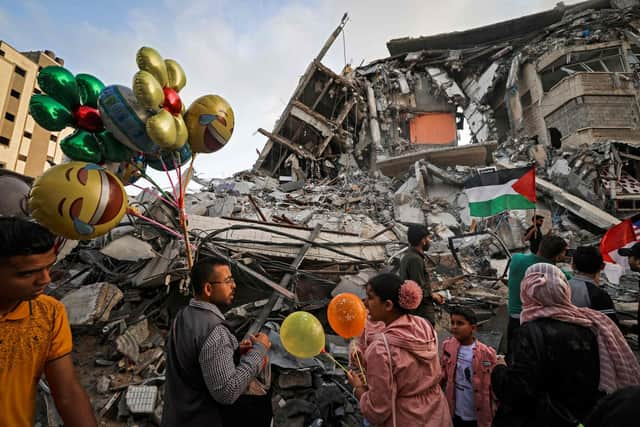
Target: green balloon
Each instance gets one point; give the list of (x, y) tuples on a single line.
[(89, 88), (49, 113), (112, 150), (82, 146), (61, 85)]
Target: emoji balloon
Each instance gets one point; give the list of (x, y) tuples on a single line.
[(78, 200), (210, 122), (302, 335)]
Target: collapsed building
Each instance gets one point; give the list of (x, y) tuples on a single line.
[(543, 88), (355, 157)]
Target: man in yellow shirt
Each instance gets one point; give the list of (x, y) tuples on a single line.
[(35, 336)]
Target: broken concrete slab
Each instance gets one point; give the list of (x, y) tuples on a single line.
[(408, 214), (291, 186), (91, 303), (468, 155), (260, 239), (129, 343), (128, 248), (222, 207), (442, 218)]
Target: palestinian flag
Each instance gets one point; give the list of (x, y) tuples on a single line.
[(506, 189)]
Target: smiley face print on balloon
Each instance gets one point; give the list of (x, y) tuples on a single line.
[(78, 200), (210, 122)]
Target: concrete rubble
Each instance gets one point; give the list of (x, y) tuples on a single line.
[(353, 160)]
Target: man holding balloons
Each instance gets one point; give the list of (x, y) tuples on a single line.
[(206, 368)]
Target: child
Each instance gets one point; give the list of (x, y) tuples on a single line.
[(401, 361), (467, 364)]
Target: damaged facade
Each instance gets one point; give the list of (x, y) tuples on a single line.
[(543, 88)]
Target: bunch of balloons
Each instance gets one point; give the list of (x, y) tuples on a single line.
[(118, 132)]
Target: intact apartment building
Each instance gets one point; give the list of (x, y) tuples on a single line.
[(25, 147)]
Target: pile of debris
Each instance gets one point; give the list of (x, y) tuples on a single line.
[(292, 247)]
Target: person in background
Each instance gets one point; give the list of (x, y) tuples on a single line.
[(403, 370), (564, 360), (585, 289), (552, 250), (533, 234), (412, 267), (35, 336), (204, 380), (634, 263), (467, 364)]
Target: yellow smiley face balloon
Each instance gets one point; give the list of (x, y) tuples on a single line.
[(210, 123), (78, 200)]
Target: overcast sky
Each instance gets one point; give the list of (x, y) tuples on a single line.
[(250, 52)]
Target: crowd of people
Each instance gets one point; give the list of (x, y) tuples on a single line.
[(567, 364)]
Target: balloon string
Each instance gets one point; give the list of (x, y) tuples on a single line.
[(183, 212), (364, 377), (156, 223), (336, 362), (175, 195), (177, 167), (152, 182), (146, 190)]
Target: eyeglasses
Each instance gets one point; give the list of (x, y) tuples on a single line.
[(229, 280)]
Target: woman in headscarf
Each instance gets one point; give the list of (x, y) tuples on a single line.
[(401, 360), (565, 359)]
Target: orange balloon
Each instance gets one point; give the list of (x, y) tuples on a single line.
[(347, 315)]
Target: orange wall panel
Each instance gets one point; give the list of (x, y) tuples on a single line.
[(433, 128)]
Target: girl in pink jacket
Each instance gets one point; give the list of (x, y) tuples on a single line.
[(401, 361)]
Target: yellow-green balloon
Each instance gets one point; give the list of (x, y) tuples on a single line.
[(302, 335)]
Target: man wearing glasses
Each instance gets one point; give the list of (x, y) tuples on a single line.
[(202, 374)]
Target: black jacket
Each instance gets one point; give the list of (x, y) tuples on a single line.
[(566, 368)]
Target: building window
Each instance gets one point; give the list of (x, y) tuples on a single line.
[(20, 71), (15, 94), (2, 164), (53, 138), (28, 134), (36, 90), (22, 157), (2, 54), (9, 117), (4, 140)]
